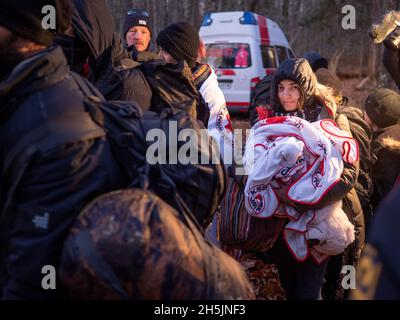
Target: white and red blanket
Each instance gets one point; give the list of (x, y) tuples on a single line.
[(307, 160)]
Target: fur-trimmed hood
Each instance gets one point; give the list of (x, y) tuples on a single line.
[(388, 139), (391, 144)]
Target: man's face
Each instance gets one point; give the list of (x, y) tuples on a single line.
[(10, 56), (139, 37)]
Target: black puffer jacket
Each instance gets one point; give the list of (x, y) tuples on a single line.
[(54, 159), (316, 108), (386, 168)]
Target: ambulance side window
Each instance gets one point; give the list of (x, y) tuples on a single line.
[(268, 56), (228, 55), (282, 55)]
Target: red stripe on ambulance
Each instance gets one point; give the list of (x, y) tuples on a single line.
[(264, 34)]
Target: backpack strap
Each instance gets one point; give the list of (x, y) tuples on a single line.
[(92, 98)]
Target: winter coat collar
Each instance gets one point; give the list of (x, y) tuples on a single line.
[(201, 72), (144, 56), (388, 139)]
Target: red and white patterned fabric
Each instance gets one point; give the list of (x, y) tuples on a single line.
[(307, 159)]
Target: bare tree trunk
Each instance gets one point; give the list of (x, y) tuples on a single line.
[(196, 15)]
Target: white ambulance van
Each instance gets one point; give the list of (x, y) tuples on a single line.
[(242, 47)]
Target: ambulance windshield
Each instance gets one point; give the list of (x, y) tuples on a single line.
[(228, 55)]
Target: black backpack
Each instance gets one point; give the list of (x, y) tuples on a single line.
[(175, 87), (199, 186)]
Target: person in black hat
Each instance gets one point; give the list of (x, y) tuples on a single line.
[(54, 158), (179, 42), (138, 34), (137, 29), (382, 112)]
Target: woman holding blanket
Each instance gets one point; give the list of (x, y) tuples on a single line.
[(304, 165)]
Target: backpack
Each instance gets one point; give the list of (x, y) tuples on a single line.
[(130, 244), (201, 186), (174, 87), (259, 97), (239, 230)]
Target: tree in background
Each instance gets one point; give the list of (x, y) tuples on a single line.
[(308, 24)]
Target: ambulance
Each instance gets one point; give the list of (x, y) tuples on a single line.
[(242, 47)]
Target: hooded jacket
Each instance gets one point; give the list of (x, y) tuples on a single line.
[(319, 108), (386, 168), (54, 159)]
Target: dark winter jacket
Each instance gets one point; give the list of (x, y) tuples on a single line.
[(378, 276), (315, 108), (386, 168), (391, 61), (172, 86), (54, 159), (361, 131), (93, 23)]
